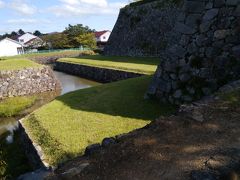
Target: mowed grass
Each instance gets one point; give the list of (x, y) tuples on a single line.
[(67, 125), (13, 106), (17, 64), (63, 53), (132, 64)]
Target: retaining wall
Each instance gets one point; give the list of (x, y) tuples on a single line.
[(27, 81), (207, 54), (143, 30), (30, 149), (94, 73)]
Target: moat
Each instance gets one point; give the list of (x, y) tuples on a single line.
[(68, 83)]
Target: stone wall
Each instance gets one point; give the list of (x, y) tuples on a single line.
[(143, 30), (94, 73), (50, 59), (30, 149), (207, 54), (27, 81)]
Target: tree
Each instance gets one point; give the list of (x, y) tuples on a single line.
[(56, 41), (5, 35), (87, 40), (37, 33), (21, 32), (13, 34), (74, 31)]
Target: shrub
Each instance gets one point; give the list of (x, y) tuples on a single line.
[(87, 53)]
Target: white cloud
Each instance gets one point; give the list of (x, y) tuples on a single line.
[(99, 3), (26, 21), (86, 7), (21, 21), (1, 4), (22, 7)]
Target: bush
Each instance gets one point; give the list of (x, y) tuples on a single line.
[(98, 51), (87, 53)]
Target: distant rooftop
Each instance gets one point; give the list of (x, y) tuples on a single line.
[(100, 33)]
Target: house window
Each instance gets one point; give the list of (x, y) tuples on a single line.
[(104, 37), (21, 40), (20, 51)]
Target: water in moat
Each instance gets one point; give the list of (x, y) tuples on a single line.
[(68, 83), (73, 83)]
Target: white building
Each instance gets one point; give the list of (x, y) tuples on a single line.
[(102, 37), (30, 41), (9, 47), (26, 38)]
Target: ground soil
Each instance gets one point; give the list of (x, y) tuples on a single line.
[(170, 148)]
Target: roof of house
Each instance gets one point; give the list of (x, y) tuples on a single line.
[(26, 34), (100, 33), (11, 40), (32, 40)]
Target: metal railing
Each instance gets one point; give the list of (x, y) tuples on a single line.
[(56, 50)]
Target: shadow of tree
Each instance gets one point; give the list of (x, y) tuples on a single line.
[(123, 98)]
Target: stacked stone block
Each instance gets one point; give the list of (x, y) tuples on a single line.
[(207, 54), (27, 81), (143, 30)]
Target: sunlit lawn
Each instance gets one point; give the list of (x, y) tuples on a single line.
[(12, 106), (64, 127), (17, 64), (132, 64)]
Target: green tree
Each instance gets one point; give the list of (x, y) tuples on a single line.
[(21, 32), (74, 31), (87, 40), (13, 34), (37, 33), (56, 41)]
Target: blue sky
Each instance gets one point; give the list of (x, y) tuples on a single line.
[(55, 15)]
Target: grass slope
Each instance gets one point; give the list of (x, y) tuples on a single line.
[(12, 106), (17, 64), (64, 127), (132, 64), (63, 53)]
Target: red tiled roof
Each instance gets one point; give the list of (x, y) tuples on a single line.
[(99, 33)]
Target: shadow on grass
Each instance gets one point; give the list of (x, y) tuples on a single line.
[(124, 98), (13, 161)]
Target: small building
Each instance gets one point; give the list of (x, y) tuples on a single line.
[(9, 47), (102, 38), (26, 37), (30, 41)]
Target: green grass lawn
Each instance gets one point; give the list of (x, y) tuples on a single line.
[(13, 106), (47, 54), (17, 64), (64, 127), (132, 64)]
